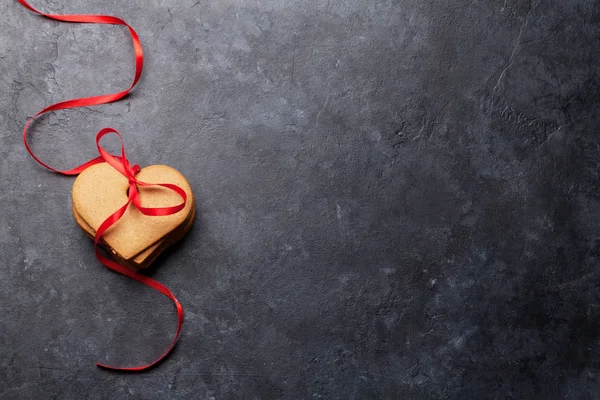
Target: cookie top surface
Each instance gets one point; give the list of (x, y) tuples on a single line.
[(101, 190)]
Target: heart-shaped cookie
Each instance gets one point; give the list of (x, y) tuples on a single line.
[(136, 239)]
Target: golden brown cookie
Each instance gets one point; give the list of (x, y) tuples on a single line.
[(100, 190)]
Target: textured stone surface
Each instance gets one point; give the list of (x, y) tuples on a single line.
[(397, 199)]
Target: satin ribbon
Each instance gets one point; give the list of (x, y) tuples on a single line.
[(121, 164)]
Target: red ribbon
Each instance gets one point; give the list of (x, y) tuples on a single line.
[(121, 164)]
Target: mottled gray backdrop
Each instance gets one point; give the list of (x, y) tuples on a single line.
[(398, 199)]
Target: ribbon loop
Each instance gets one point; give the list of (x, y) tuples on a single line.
[(120, 163)]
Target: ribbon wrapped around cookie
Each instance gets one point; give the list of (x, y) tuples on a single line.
[(134, 213)]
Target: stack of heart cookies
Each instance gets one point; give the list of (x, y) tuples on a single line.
[(136, 240)]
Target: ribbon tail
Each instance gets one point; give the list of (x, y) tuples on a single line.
[(85, 101), (118, 268), (154, 285)]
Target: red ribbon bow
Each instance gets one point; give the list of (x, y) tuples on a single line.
[(121, 164)]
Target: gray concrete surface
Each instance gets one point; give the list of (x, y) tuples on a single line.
[(398, 199)]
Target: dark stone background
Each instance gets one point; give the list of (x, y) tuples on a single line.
[(398, 199)]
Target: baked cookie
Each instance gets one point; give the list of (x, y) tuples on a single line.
[(136, 239)]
